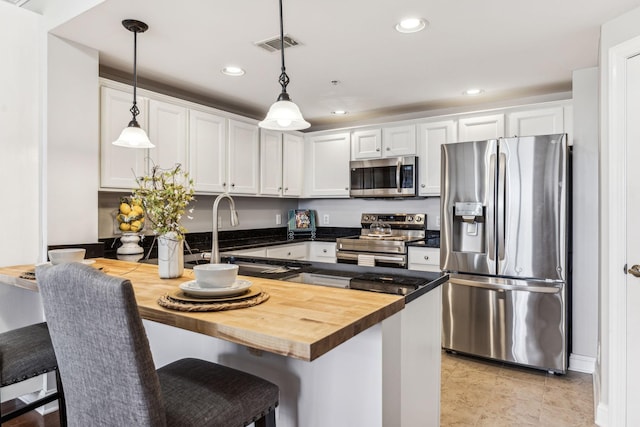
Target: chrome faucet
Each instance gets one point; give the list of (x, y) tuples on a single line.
[(215, 251)]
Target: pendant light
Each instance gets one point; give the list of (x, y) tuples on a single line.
[(133, 136), (284, 114)]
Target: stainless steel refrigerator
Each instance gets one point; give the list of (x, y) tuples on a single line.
[(504, 242)]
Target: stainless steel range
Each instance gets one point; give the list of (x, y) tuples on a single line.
[(382, 240)]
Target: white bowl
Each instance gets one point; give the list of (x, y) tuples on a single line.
[(215, 275), (60, 256)]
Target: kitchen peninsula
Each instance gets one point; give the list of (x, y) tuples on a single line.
[(341, 357)]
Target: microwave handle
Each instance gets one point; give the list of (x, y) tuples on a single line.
[(398, 169)]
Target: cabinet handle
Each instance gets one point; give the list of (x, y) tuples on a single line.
[(388, 148), (279, 188), (426, 257), (346, 188), (422, 185), (288, 253), (324, 250), (233, 185), (224, 184), (378, 149), (286, 188)]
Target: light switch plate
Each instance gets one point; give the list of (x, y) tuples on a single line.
[(325, 219)]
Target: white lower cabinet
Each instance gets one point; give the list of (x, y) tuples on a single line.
[(259, 252), (322, 252), (289, 251), (424, 259)]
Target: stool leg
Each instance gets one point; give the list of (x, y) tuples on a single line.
[(269, 420), (62, 408)]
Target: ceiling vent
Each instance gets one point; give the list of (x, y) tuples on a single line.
[(273, 44)]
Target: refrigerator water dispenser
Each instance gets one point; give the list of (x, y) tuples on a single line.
[(468, 227)]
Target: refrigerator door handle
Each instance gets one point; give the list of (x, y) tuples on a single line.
[(490, 224), (486, 284), (502, 202)]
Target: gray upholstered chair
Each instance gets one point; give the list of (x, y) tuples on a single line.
[(25, 353), (108, 373)]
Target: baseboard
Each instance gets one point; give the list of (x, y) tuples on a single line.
[(602, 415), (581, 363)]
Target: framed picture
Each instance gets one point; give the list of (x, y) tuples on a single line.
[(301, 220)]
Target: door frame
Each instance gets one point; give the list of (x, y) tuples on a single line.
[(613, 312)]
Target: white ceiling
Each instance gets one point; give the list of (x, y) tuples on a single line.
[(509, 48)]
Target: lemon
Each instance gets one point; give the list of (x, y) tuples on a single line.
[(121, 218), (125, 226), (138, 209), (125, 208), (136, 226)]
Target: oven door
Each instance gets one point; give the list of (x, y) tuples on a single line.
[(372, 259), (392, 177)]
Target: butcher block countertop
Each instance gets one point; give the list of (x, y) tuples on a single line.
[(298, 320)]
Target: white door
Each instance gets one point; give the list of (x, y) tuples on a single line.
[(208, 151), (244, 158), (270, 162), (292, 164), (481, 128), (633, 239), (399, 141), (168, 132)]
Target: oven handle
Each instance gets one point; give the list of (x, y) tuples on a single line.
[(398, 169), (400, 260)]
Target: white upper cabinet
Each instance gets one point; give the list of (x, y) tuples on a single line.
[(168, 132), (270, 162), (366, 144), (327, 165), (244, 158), (481, 128), (542, 121), (430, 137), (399, 141), (292, 165), (119, 166), (390, 141), (208, 151)]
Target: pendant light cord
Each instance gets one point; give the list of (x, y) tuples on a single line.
[(134, 110), (284, 79)]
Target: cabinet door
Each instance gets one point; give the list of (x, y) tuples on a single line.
[(270, 162), (322, 251), (399, 141), (208, 151), (543, 121), (292, 164), (295, 251), (424, 259), (481, 128), (431, 136), (244, 158), (327, 165), (119, 166), (168, 132), (366, 144)]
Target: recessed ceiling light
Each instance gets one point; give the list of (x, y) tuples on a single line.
[(472, 92), (339, 112), (411, 25), (233, 71)]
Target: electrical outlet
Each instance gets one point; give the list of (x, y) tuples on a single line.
[(325, 219), (278, 219)]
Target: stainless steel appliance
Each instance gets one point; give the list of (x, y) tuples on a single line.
[(390, 177), (382, 240), (504, 242)]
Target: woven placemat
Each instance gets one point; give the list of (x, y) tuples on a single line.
[(168, 302)]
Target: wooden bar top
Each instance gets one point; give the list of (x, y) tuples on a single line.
[(298, 320)]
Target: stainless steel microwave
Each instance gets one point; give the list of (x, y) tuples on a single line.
[(390, 177)]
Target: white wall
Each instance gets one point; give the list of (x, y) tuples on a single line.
[(585, 216), (21, 44), (72, 167), (253, 213), (346, 212)]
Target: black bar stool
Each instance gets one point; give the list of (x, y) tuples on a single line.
[(26, 353)]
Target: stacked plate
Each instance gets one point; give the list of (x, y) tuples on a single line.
[(192, 288)]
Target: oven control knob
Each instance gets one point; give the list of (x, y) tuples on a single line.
[(410, 218), (365, 217), (418, 219)]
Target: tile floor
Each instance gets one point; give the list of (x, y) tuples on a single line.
[(484, 393), (481, 393)]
